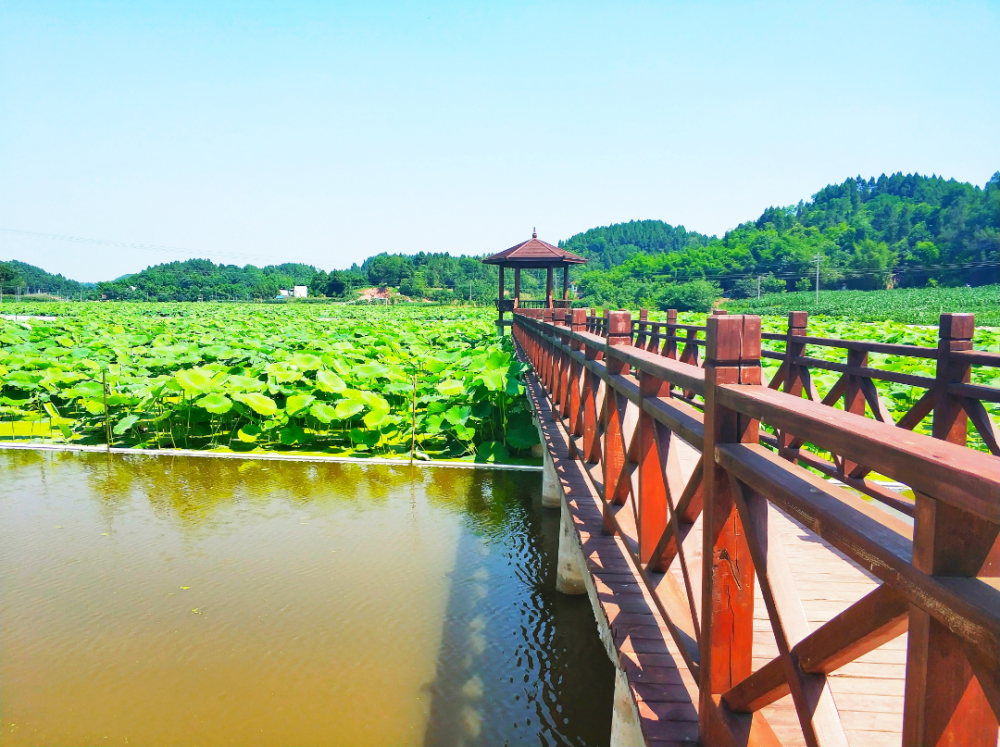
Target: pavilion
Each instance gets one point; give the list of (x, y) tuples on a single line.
[(533, 253)]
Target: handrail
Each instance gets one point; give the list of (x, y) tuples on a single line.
[(933, 573), (951, 398)]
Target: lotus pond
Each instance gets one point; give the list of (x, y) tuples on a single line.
[(436, 382), (372, 381)]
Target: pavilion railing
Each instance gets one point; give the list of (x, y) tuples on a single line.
[(618, 399), (541, 303)]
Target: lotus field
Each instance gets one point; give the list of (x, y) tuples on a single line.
[(906, 305), (339, 380), (345, 380)]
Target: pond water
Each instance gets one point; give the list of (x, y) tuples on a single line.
[(196, 601)]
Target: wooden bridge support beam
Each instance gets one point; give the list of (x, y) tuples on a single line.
[(571, 565)]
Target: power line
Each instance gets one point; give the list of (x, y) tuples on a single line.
[(802, 272), (144, 247)]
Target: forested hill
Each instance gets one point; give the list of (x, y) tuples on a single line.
[(28, 278), (201, 279), (892, 231), (611, 245)]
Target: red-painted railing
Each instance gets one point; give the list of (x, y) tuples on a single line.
[(624, 405)]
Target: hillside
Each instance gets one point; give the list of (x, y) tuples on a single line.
[(15, 274), (609, 246), (894, 231), (197, 279)]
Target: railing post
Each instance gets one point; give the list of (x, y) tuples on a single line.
[(578, 323), (954, 334), (619, 333), (640, 338), (798, 323), (670, 346), (565, 374), (559, 365), (653, 470), (732, 356), (854, 396), (591, 443), (944, 703), (547, 360)]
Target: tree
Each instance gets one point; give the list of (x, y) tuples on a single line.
[(414, 287), (698, 295), (388, 269), (9, 276), (339, 283), (871, 263)]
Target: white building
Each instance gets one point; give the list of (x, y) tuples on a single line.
[(300, 291), (283, 293)]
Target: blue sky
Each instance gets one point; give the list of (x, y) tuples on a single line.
[(265, 132)]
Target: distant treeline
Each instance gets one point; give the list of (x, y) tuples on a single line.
[(894, 231)]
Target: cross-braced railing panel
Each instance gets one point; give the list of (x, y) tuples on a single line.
[(617, 393), (949, 397)]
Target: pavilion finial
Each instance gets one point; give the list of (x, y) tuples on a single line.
[(534, 234)]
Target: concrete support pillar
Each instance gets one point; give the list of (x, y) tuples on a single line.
[(571, 566), (552, 492), (625, 729)]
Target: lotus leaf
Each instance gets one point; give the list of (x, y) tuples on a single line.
[(194, 380), (259, 403), (329, 382), (217, 404)]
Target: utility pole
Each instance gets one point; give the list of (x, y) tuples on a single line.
[(758, 287), (817, 259), (470, 291)]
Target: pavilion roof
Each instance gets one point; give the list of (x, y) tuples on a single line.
[(534, 251)]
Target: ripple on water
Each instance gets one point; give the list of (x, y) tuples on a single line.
[(382, 605)]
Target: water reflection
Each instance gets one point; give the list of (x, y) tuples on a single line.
[(175, 600)]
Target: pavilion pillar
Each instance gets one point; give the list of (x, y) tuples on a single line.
[(548, 287), (500, 303), (517, 287), (565, 282)]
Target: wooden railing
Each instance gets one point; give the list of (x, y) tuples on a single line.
[(541, 303), (949, 395), (938, 578)]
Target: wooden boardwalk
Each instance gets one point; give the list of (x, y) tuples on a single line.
[(868, 692)]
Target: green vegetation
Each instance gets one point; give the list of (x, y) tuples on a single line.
[(14, 275), (202, 280), (905, 305), (370, 381), (897, 231), (698, 295)]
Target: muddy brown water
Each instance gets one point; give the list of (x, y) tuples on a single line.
[(190, 601)]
